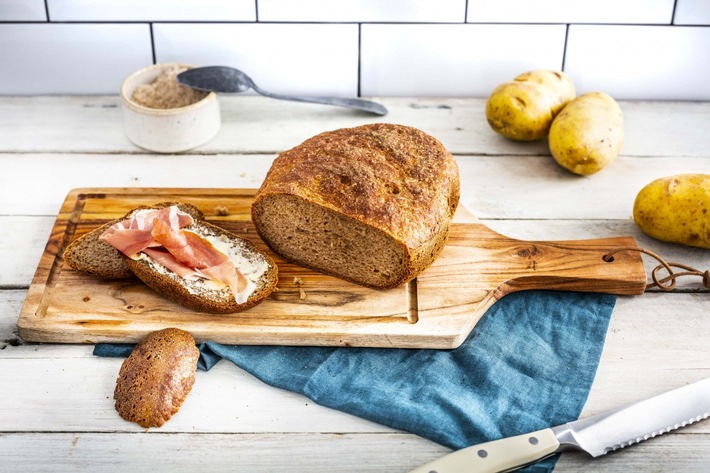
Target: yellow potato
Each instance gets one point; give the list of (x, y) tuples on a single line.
[(587, 134), (523, 109), (676, 209), (558, 82)]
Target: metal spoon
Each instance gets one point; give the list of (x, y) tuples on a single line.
[(229, 80)]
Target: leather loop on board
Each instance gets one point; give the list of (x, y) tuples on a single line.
[(667, 283)]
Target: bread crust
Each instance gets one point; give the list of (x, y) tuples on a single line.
[(391, 178), (156, 377)]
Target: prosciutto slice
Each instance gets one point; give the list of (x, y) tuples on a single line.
[(163, 257), (198, 253), (133, 235), (160, 234)]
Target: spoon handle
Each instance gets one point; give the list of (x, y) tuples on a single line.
[(358, 104)]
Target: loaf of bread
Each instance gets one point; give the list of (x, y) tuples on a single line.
[(156, 377), (371, 204)]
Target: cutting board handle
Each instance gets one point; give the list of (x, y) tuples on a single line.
[(578, 265)]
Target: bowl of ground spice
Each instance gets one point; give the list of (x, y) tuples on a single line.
[(164, 116)]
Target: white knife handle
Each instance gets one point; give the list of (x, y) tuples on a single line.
[(506, 454)]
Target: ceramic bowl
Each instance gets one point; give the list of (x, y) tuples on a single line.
[(167, 130)]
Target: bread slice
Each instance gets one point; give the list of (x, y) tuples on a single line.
[(371, 204), (91, 255), (156, 377), (202, 295)]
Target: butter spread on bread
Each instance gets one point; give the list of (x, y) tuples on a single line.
[(370, 204)]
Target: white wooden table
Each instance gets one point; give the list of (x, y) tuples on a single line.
[(56, 407)]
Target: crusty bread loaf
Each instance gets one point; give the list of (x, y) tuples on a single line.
[(200, 294), (371, 204), (91, 255), (156, 377)]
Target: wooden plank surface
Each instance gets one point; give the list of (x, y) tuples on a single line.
[(55, 399), (68, 393), (477, 267), (93, 125), (493, 187)]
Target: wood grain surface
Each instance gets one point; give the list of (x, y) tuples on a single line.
[(437, 310), (56, 400)]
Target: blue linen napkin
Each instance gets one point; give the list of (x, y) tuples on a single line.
[(528, 364)]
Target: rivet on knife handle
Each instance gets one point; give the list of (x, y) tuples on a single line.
[(496, 456)]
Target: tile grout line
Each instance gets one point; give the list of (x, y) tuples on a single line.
[(359, 59), (152, 41), (564, 48), (675, 6)]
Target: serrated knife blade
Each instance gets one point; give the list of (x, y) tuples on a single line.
[(596, 435)]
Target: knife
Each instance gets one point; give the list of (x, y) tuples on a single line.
[(596, 435)]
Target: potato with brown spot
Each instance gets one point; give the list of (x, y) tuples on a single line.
[(588, 134), (156, 377), (676, 209), (524, 108)]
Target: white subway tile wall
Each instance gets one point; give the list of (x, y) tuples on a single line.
[(631, 49), (374, 11), (70, 58), (306, 59), (22, 10), (152, 10), (571, 11), (652, 66), (692, 12), (453, 60)]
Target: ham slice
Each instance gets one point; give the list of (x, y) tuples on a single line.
[(160, 234), (198, 253), (163, 257), (133, 235)]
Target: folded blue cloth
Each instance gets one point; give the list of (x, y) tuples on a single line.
[(528, 364)]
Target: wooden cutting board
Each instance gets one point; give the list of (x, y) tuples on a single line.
[(437, 310)]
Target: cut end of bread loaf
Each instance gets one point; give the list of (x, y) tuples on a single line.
[(203, 295), (322, 239)]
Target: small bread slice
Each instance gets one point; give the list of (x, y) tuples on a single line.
[(91, 255), (203, 295), (156, 377)]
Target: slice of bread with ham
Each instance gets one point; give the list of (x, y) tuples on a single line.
[(181, 257), (91, 255)]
